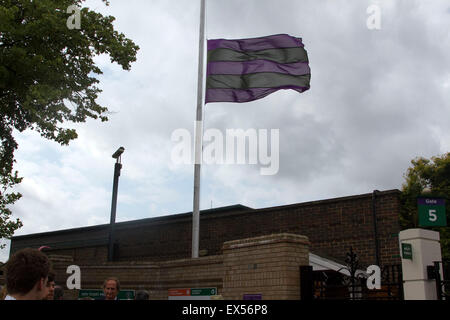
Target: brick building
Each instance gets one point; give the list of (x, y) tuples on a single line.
[(368, 223)]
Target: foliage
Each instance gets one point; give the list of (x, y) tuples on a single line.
[(48, 77), (434, 174)]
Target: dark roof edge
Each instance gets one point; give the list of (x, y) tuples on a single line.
[(340, 199), (239, 207)]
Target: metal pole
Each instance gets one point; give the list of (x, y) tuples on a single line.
[(437, 278), (117, 168), (198, 136), (375, 228)]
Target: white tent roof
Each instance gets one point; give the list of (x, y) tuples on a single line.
[(320, 263)]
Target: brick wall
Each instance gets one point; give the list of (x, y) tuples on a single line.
[(157, 278), (267, 265), (332, 226)]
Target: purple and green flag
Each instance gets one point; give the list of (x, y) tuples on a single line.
[(249, 69)]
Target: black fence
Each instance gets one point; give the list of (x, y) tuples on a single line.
[(350, 283), (442, 283), (333, 285)]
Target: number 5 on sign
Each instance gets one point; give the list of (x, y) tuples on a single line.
[(432, 215)]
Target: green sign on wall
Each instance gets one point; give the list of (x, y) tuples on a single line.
[(96, 294), (203, 292), (431, 212), (407, 251)]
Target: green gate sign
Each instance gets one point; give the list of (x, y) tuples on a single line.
[(407, 251), (431, 212)]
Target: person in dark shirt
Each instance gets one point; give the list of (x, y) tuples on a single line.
[(142, 295), (59, 293)]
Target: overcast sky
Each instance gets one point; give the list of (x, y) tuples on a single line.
[(378, 99)]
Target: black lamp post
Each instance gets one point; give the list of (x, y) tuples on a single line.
[(117, 155)]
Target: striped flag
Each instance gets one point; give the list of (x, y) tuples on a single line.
[(249, 69)]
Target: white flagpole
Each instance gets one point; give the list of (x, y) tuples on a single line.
[(198, 136)]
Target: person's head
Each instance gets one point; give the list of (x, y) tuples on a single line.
[(3, 293), (111, 288), (59, 293), (26, 274), (50, 286), (142, 295)]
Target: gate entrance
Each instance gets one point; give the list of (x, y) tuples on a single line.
[(350, 283), (442, 285)]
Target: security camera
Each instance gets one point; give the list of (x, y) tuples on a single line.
[(118, 153)]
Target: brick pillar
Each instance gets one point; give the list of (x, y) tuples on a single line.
[(266, 266)]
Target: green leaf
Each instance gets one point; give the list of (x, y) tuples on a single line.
[(431, 173), (48, 77)]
